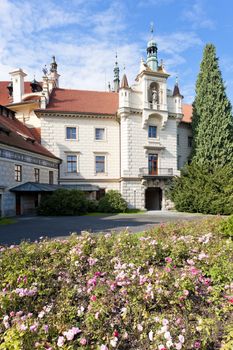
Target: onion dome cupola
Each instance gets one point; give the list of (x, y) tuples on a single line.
[(116, 80), (152, 52)]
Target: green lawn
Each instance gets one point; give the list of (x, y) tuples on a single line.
[(7, 221)]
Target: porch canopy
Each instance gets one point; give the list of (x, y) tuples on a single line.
[(39, 187)]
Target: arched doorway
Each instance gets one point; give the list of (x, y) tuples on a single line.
[(153, 198)]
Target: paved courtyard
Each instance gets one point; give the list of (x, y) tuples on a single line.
[(31, 228)]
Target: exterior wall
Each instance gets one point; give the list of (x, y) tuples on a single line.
[(136, 145), (7, 179), (184, 131), (134, 193), (53, 137)]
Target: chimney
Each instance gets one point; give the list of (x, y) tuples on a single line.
[(17, 77)]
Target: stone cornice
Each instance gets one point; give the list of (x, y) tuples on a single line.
[(63, 114)]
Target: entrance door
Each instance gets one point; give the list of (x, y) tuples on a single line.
[(153, 164), (18, 204), (153, 198)]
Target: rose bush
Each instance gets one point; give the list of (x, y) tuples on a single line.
[(168, 288)]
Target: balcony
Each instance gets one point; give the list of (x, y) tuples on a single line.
[(159, 173)]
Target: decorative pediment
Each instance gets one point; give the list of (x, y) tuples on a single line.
[(146, 114)]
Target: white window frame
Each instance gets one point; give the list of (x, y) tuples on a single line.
[(71, 126), (77, 163), (150, 137), (105, 133), (97, 154)]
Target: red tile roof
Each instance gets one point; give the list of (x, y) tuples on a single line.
[(187, 111), (83, 101), (4, 95), (18, 135)]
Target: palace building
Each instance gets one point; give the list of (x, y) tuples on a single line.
[(133, 139)]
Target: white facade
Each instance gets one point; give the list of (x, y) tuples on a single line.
[(85, 147), (145, 142)]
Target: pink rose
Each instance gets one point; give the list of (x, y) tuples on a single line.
[(83, 341), (60, 341), (93, 298)]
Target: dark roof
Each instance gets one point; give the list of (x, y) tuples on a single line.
[(39, 187), (83, 101), (34, 187), (176, 91), (16, 134)]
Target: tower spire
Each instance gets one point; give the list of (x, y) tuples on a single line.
[(53, 65), (152, 58), (116, 80)]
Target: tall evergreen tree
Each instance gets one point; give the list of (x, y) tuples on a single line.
[(212, 117)]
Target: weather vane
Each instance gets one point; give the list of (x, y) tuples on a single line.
[(152, 28), (45, 70)]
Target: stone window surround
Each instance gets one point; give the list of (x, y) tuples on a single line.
[(77, 154), (18, 173), (151, 137), (104, 154), (77, 133), (105, 134), (37, 174)]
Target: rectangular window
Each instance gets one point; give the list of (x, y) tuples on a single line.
[(99, 134), (153, 164), (71, 133), (51, 177), (72, 164), (18, 173), (190, 141), (37, 175), (100, 164), (178, 139), (152, 131)]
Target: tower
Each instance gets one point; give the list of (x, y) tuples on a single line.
[(53, 75), (116, 80), (152, 52)]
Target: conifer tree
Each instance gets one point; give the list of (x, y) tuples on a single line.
[(212, 117)]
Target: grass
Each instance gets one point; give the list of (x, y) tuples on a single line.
[(7, 221)]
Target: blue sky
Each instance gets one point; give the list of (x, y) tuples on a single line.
[(85, 34)]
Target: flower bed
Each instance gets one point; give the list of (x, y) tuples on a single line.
[(169, 288)]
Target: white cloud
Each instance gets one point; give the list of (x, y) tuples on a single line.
[(197, 16), (83, 40)]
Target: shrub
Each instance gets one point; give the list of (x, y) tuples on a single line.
[(170, 285), (226, 227), (92, 206), (112, 202), (63, 202), (203, 190)]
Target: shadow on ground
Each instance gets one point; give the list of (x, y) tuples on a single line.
[(32, 228)]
